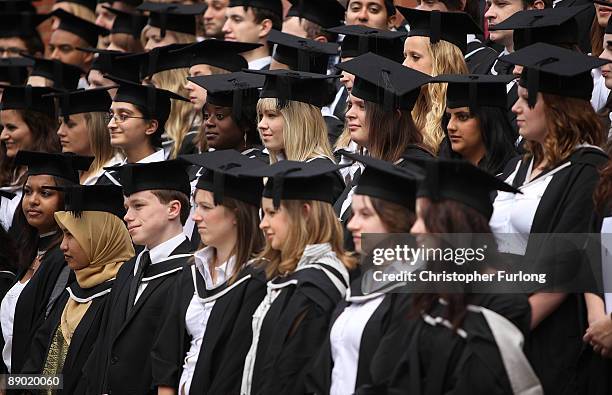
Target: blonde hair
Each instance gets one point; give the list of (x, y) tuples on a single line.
[(181, 112), (320, 226), (77, 10), (431, 104), (179, 37), (99, 140), (304, 130)]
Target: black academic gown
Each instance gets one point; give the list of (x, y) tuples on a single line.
[(227, 338), (36, 302), (438, 361), (124, 351), (83, 339), (480, 58), (293, 330), (566, 206), (382, 324)]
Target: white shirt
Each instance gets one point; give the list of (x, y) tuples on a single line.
[(157, 254), (600, 91), (157, 156), (92, 179), (345, 341), (260, 63), (8, 208), (199, 310), (7, 316)]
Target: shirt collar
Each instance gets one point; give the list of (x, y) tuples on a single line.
[(157, 156), (260, 63), (164, 250), (202, 259)]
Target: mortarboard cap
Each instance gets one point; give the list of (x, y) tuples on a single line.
[(292, 180), (14, 71), (167, 175), (63, 165), (325, 13), (556, 26), (460, 181), (28, 98), (105, 198), (63, 75), (20, 24), (302, 54), (115, 63), (17, 6), (217, 53), (292, 85), (90, 4), (271, 5), (554, 70), (175, 17), (475, 90), (158, 59), (359, 40), (83, 101), (383, 81), (448, 26), (384, 180), (235, 90), (222, 176), (127, 22), (86, 30)]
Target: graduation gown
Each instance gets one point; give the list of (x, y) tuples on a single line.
[(123, 354), (566, 206), (227, 337), (83, 339), (294, 328), (382, 323), (479, 58), (36, 302)]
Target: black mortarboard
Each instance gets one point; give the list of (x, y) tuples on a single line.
[(302, 54), (222, 175), (14, 71), (175, 17), (127, 22), (167, 175), (556, 26), (91, 4), (28, 98), (271, 5), (105, 198), (475, 90), (325, 13), (115, 63), (448, 26), (235, 90), (63, 165), (63, 75), (82, 101), (83, 28), (555, 70), (132, 3), (158, 59), (292, 180), (460, 181), (384, 180), (17, 6), (383, 81), (359, 40), (20, 24), (296, 86), (217, 53)]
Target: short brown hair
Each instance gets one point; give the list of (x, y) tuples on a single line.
[(165, 196), (261, 14)]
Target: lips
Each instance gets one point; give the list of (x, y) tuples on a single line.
[(33, 213)]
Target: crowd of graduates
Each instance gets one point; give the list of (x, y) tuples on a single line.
[(186, 189)]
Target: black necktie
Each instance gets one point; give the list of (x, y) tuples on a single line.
[(145, 261)]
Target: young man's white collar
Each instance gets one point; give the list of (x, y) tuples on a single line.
[(157, 156), (202, 259), (260, 63), (163, 251)]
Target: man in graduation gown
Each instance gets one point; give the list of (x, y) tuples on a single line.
[(157, 207)]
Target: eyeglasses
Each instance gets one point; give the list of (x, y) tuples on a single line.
[(120, 118)]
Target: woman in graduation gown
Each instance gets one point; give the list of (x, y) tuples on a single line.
[(199, 346), (557, 177), (307, 268), (43, 273), (383, 203), (95, 243), (462, 342), (478, 130)]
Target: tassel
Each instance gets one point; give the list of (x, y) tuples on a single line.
[(533, 83), (277, 190), (218, 187), (435, 25)]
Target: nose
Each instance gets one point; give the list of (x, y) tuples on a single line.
[(517, 70), (262, 125), (112, 123), (208, 14), (60, 131), (4, 135), (451, 124), (489, 14), (189, 86), (353, 224), (64, 245), (516, 108), (226, 29), (55, 54), (363, 15), (210, 122), (351, 113)]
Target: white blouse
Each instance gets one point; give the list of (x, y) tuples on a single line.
[(7, 316), (345, 340)]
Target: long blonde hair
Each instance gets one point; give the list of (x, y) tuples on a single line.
[(179, 37), (304, 130), (320, 226), (181, 112), (99, 140), (431, 104)]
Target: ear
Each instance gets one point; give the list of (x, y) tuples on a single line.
[(152, 128), (264, 28), (174, 210), (321, 39), (391, 21), (537, 5), (306, 209), (88, 58)]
